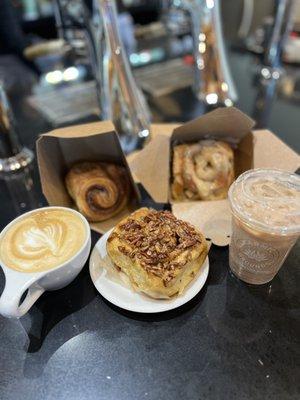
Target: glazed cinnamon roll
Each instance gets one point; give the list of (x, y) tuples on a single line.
[(99, 190), (202, 171)]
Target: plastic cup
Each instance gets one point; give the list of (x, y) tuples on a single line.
[(265, 207)]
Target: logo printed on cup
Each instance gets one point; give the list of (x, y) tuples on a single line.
[(256, 256)]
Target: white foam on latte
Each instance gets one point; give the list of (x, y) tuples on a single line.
[(42, 240)]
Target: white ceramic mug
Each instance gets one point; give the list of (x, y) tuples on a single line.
[(16, 282)]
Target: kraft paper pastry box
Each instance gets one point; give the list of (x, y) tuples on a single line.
[(252, 149), (61, 148)]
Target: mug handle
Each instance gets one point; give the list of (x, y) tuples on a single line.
[(15, 286)]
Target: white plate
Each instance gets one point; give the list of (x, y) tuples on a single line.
[(112, 287)]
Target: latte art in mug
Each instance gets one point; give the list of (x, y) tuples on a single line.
[(42, 240)]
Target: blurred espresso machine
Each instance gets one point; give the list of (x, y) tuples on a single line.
[(90, 29), (93, 33)]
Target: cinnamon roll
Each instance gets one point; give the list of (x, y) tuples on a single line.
[(159, 253), (202, 171), (99, 190)]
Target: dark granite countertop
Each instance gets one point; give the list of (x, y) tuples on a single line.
[(232, 341)]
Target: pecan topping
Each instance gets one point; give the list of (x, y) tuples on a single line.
[(156, 240), (123, 250)]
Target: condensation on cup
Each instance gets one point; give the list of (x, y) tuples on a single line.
[(265, 207)]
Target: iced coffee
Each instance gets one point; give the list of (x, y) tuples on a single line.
[(265, 207)]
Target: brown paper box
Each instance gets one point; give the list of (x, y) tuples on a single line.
[(59, 149), (253, 149)]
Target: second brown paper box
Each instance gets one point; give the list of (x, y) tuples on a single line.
[(253, 149)]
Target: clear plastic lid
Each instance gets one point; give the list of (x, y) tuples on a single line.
[(267, 199)]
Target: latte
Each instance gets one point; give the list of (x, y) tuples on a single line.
[(265, 207), (42, 240)]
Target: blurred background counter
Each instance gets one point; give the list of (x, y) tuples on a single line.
[(58, 87)]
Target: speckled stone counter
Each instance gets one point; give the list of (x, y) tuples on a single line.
[(232, 341)]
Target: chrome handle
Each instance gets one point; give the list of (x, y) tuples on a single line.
[(13, 156), (281, 29), (118, 95), (213, 83), (128, 108)]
